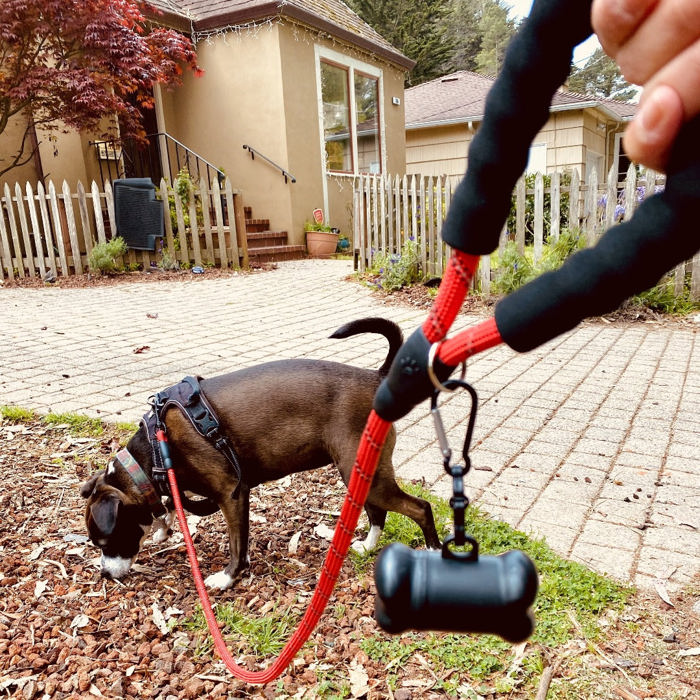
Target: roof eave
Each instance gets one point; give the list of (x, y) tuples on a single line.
[(275, 8), (554, 108), (444, 122)]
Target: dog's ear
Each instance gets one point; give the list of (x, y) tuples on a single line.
[(89, 486), (104, 513)]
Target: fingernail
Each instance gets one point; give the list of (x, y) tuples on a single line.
[(658, 114)]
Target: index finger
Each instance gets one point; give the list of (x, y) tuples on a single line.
[(616, 21)]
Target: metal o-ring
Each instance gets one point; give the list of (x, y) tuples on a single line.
[(431, 372)]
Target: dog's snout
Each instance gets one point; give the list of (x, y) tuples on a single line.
[(114, 567)]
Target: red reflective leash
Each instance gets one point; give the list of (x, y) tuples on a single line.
[(453, 290)]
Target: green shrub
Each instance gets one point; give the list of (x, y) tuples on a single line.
[(396, 271), (556, 252), (513, 270), (103, 257)]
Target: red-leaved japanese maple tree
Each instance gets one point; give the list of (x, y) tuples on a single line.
[(83, 65)]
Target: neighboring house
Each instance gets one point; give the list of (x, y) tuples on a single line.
[(306, 83), (443, 115)]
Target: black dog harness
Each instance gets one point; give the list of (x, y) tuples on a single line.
[(190, 399)]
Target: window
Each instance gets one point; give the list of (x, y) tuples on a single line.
[(336, 117), (537, 159), (351, 119), (367, 113)]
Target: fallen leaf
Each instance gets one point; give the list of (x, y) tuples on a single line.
[(663, 593), (324, 532), (293, 547), (159, 619), (39, 588), (79, 621), (359, 680)]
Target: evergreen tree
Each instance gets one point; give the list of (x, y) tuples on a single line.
[(461, 29), (415, 28), (496, 31), (601, 77)]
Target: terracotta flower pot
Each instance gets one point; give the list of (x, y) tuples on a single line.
[(321, 244)]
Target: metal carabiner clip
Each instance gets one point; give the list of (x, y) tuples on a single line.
[(453, 385)]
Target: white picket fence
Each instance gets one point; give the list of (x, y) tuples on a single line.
[(389, 211), (48, 232)]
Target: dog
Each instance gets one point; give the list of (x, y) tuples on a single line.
[(280, 417)]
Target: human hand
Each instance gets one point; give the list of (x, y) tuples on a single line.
[(656, 43)]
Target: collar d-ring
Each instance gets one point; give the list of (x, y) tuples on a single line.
[(431, 372)]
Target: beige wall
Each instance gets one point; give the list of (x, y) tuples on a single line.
[(571, 138), (438, 151)]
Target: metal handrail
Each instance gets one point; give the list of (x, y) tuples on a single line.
[(287, 175), (158, 155)]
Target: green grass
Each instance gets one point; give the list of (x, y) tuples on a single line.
[(262, 636), (16, 414), (79, 425)]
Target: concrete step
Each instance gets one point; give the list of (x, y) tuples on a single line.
[(276, 253)]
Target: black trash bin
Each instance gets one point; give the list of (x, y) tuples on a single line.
[(138, 214)]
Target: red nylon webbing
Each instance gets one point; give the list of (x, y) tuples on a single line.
[(454, 287), (469, 342)]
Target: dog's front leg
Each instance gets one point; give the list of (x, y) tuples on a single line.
[(236, 514)]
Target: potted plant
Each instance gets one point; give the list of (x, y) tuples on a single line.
[(321, 239)]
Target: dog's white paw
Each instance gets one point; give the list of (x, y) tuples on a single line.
[(375, 532), (221, 581)]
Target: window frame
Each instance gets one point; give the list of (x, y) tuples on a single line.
[(352, 66)]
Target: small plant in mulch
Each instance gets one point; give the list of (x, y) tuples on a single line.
[(103, 257)]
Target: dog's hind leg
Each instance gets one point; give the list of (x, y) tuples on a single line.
[(386, 494), (377, 519), (236, 514)]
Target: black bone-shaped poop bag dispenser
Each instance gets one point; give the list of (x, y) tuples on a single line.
[(455, 590)]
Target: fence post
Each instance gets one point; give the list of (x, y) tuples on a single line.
[(555, 206), (46, 223), (72, 230), (31, 206), (611, 198), (205, 197), (21, 215), (539, 217), (84, 218), (520, 215), (630, 193), (58, 229), (97, 210), (574, 200), (221, 224), (5, 251), (591, 208)]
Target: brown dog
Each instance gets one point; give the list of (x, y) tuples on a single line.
[(281, 417)]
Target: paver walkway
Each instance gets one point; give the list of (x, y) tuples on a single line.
[(590, 441)]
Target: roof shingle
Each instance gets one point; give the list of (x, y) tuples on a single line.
[(461, 97)]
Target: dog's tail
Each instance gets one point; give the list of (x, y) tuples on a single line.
[(379, 325)]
